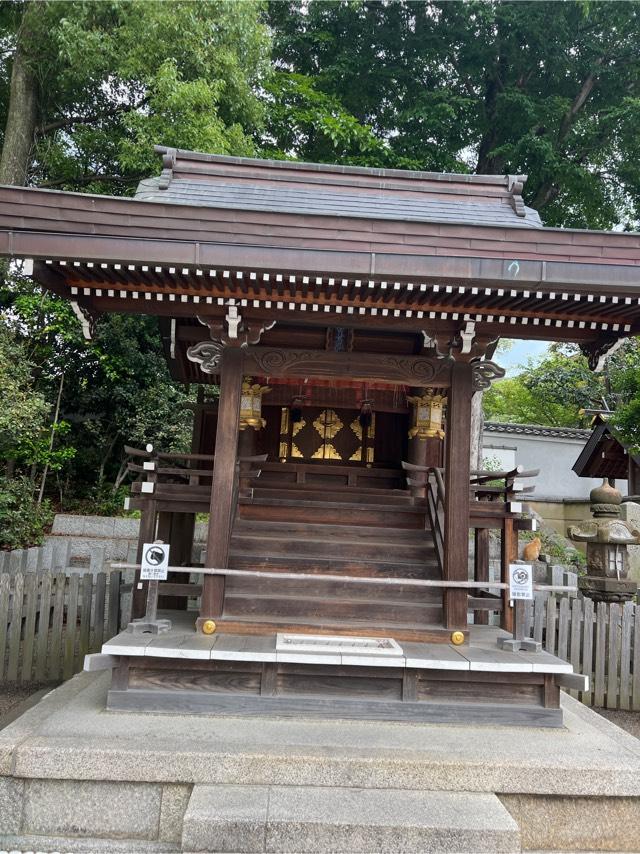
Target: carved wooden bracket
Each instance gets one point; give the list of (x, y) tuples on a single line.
[(87, 320), (597, 351), (484, 373), (463, 345), (231, 332)]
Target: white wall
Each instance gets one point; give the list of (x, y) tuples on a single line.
[(554, 456)]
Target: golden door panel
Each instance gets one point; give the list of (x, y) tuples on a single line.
[(326, 434)]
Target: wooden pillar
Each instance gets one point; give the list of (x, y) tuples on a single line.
[(457, 473), (508, 554), (247, 442), (481, 568), (221, 508), (146, 534)]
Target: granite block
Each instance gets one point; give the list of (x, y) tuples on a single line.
[(226, 818), (66, 524), (91, 808), (307, 819), (11, 792), (175, 799), (575, 824)]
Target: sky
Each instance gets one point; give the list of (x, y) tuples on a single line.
[(515, 358)]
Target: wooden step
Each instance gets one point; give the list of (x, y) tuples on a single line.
[(255, 527), (378, 498), (313, 586), (335, 565), (263, 607), (331, 513), (434, 633), (264, 544)]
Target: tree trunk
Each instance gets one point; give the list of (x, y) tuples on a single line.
[(477, 426), (22, 114)]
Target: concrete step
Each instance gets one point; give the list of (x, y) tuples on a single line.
[(315, 819)]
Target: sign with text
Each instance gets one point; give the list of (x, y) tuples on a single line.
[(520, 581), (155, 562)]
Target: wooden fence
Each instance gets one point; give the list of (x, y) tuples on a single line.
[(49, 621), (601, 641)]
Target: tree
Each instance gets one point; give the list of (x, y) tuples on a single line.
[(484, 86), (560, 389), (93, 85), (86, 90)]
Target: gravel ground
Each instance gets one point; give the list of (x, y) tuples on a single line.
[(12, 696), (629, 721)]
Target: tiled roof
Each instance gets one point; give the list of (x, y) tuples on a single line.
[(313, 189), (537, 430)]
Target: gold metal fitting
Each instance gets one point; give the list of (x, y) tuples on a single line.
[(208, 627), (457, 638)]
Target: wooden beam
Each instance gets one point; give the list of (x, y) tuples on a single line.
[(457, 469), (222, 488), (422, 371)]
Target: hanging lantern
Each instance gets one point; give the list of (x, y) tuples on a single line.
[(426, 416), (251, 404)]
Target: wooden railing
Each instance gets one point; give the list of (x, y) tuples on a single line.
[(494, 505)]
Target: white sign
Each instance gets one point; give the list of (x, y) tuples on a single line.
[(155, 562), (520, 581)]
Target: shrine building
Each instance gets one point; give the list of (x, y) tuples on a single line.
[(348, 316)]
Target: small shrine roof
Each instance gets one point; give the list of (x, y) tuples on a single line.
[(249, 184), (604, 454)]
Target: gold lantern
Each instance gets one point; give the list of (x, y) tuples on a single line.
[(426, 416), (251, 404)]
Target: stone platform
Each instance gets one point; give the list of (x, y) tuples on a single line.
[(74, 777)]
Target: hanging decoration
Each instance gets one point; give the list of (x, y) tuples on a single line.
[(366, 414), (296, 408), (251, 404), (426, 416)]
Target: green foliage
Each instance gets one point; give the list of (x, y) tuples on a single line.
[(554, 391), (116, 77), (22, 520), (543, 88), (23, 410)]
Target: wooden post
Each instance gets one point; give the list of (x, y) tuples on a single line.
[(508, 554), (147, 534), (457, 469), (481, 567), (221, 510)]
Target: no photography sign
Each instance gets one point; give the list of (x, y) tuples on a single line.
[(520, 581), (155, 562)]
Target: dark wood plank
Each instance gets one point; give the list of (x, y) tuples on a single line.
[(456, 522), (222, 490), (193, 702)]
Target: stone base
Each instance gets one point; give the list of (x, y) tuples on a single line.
[(607, 589), (74, 777)]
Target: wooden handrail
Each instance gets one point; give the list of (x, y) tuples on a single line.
[(350, 579)]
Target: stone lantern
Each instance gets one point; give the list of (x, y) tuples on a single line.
[(607, 538)]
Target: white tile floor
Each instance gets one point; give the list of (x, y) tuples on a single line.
[(480, 654)]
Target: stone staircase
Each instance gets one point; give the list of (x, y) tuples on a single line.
[(322, 819)]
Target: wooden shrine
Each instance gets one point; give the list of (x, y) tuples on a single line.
[(348, 316)]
